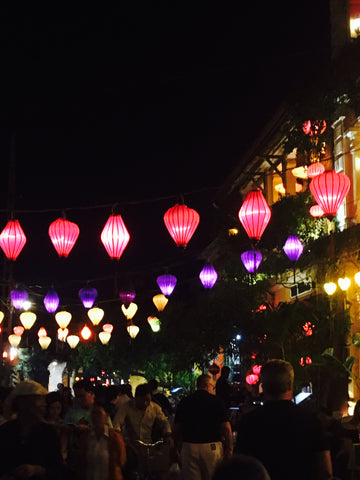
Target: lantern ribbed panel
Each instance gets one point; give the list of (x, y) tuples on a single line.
[(293, 248), (329, 190), (51, 301), (315, 169), (88, 296), (63, 235), (181, 222), (208, 276), (12, 239), (18, 297), (316, 211), (127, 296), (251, 260), (166, 283), (115, 236), (254, 214)]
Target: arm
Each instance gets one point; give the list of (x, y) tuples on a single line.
[(226, 433), (324, 465)]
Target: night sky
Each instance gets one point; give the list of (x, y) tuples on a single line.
[(138, 103)]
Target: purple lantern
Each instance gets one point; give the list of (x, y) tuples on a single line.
[(127, 295), (208, 276), (51, 301), (166, 284), (251, 260), (293, 248), (87, 296), (18, 297)]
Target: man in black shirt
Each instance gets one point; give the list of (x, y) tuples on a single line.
[(223, 388), (202, 431), (286, 438)]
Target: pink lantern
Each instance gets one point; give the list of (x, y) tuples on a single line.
[(316, 211), (181, 222), (256, 369), (63, 235), (12, 239), (329, 190), (254, 214), (315, 127), (252, 379), (108, 327), (315, 169), (115, 236), (18, 330)]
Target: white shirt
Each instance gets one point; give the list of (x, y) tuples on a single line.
[(98, 456)]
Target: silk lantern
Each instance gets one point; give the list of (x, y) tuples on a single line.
[(27, 319), (127, 295), (133, 330), (314, 127), (160, 301), (42, 332), (18, 297), (254, 214), (208, 276), (108, 327), (115, 236), (330, 288), (293, 248), (95, 314), (316, 211), (62, 333), (251, 260), (329, 190), (51, 301), (44, 342), (14, 340), (181, 222), (154, 323), (315, 169), (63, 235), (86, 332), (18, 330), (2, 315), (63, 318), (88, 296), (12, 239), (72, 340), (104, 337), (166, 283), (130, 311)]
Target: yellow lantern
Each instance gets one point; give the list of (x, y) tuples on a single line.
[(330, 288), (344, 283), (72, 340), (133, 330), (95, 314), (130, 311), (357, 278), (63, 318), (232, 232), (44, 342), (300, 172), (14, 340), (62, 334), (1, 317), (160, 302), (27, 319), (86, 333), (104, 337)]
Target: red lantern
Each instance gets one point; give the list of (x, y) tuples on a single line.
[(12, 239), (115, 236), (63, 235), (181, 223), (252, 379), (329, 190), (255, 214), (315, 169), (316, 211)]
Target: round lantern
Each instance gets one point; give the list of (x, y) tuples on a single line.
[(44, 342), (281, 189), (181, 222), (95, 314), (330, 288), (154, 323), (208, 276), (104, 337), (251, 260), (27, 319), (18, 330), (254, 214), (62, 333), (72, 340), (107, 327), (315, 169), (133, 330), (300, 172), (18, 297), (293, 248), (115, 236), (14, 340), (316, 211), (63, 318), (344, 283), (130, 311), (127, 295), (86, 333), (51, 301), (42, 332), (166, 283), (329, 190), (63, 235), (160, 302), (88, 296), (12, 239)]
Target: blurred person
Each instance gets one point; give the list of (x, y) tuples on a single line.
[(223, 388), (160, 398), (54, 408)]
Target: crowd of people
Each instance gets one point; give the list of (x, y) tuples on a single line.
[(106, 433)]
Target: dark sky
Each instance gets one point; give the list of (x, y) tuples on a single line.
[(138, 103)]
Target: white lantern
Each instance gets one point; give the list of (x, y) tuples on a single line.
[(130, 311), (27, 319), (72, 340), (63, 318), (95, 314), (133, 330), (104, 337), (14, 340), (44, 342)]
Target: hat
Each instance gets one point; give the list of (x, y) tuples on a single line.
[(28, 387)]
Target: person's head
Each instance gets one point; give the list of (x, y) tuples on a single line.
[(142, 396), (205, 382), (277, 379), (29, 400), (54, 406), (153, 384), (98, 417), (127, 390), (225, 371), (241, 467), (84, 393)]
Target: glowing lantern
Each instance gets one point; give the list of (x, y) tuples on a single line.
[(27, 319), (86, 333), (1, 316), (127, 296), (18, 330), (281, 189), (107, 327), (315, 169), (315, 127), (72, 340), (252, 379), (357, 278), (181, 222), (130, 311), (88, 296), (133, 330), (154, 323), (95, 314), (330, 288), (300, 172), (251, 260), (256, 369), (293, 248), (104, 337), (14, 340), (115, 236), (166, 283), (12, 239), (51, 301), (344, 283), (160, 302), (62, 333), (329, 190), (18, 297), (316, 211), (44, 342), (63, 318), (63, 235), (254, 214), (208, 276), (42, 332)]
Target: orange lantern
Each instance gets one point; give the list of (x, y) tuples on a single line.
[(42, 332), (18, 330), (86, 333), (107, 327), (160, 301)]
